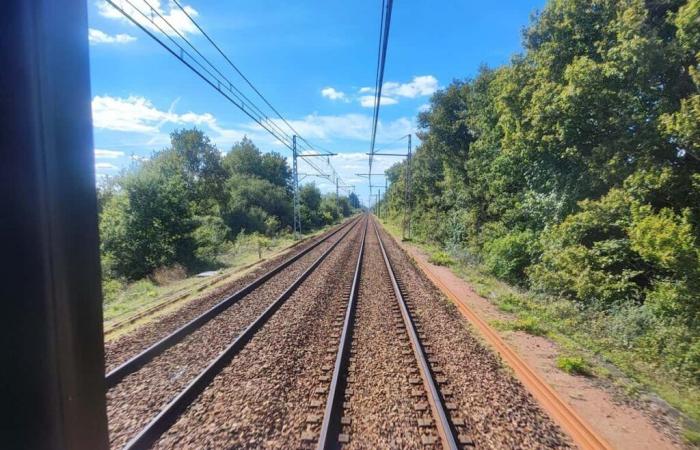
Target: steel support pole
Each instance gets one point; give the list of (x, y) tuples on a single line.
[(337, 200), (408, 199), (386, 190), (52, 378), (295, 170)]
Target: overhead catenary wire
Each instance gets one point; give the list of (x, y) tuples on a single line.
[(384, 27), (210, 64), (180, 56), (215, 77), (221, 52)]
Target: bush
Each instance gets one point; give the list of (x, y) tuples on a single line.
[(210, 238), (574, 365), (528, 325), (166, 275), (111, 289), (509, 255), (440, 258), (588, 257)]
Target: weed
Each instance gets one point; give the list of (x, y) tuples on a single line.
[(528, 325), (692, 437), (574, 365), (441, 258)]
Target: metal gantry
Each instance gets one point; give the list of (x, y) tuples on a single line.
[(332, 177)]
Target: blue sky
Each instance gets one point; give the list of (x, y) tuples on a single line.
[(315, 61)]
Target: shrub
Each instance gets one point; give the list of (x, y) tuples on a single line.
[(209, 238), (509, 255), (440, 258), (166, 275), (574, 365), (588, 257), (111, 289), (528, 325), (667, 240)]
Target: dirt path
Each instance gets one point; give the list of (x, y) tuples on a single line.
[(621, 425)]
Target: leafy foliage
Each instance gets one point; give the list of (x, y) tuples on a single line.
[(188, 203), (575, 169)]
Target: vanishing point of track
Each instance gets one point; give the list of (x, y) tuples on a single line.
[(344, 345)]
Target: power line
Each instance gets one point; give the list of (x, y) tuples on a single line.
[(385, 23), (247, 100), (211, 41), (218, 81)]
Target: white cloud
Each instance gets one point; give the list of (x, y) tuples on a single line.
[(133, 114), (105, 166), (420, 86), (424, 107), (172, 14), (347, 126), (333, 94), (138, 115), (100, 37), (108, 154), (367, 101)]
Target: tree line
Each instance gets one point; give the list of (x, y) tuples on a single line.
[(184, 204), (574, 170)]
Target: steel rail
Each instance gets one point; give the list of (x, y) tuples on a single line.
[(330, 426), (138, 361), (168, 415), (445, 429)]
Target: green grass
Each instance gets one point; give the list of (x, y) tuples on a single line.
[(592, 336), (122, 300), (440, 258), (527, 325), (574, 365), (692, 437)]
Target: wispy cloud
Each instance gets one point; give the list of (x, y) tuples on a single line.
[(418, 87), (367, 101), (138, 115), (105, 166), (108, 154), (348, 126), (151, 9), (333, 94), (100, 37)]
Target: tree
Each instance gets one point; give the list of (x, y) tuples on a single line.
[(354, 201), (253, 202), (245, 158), (200, 163), (309, 205), (149, 224)]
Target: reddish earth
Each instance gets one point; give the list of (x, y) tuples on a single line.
[(621, 425)]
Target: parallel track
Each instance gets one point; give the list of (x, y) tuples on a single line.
[(168, 415), (138, 361)]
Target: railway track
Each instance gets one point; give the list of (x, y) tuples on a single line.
[(432, 417), (161, 380), (346, 349)]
